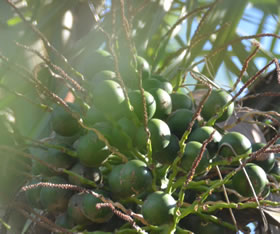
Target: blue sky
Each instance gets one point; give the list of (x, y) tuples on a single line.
[(248, 26)]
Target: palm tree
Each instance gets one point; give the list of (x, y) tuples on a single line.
[(193, 44)]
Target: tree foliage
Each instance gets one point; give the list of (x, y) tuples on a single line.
[(50, 53)]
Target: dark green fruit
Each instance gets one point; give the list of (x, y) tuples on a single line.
[(89, 209), (130, 73), (179, 121), (158, 208), (257, 176), (167, 86), (94, 62), (63, 122), (108, 96), (163, 103), (266, 160), (93, 116), (74, 210), (59, 159), (237, 142), (164, 84), (192, 151), (53, 157), (169, 153), (115, 184), (91, 151), (135, 99), (214, 103), (181, 101), (105, 128), (37, 167), (136, 177), (143, 67), (33, 195), (66, 141), (203, 133), (275, 169), (90, 173), (160, 135), (123, 134), (129, 179), (103, 75), (266, 192), (151, 84), (55, 200)]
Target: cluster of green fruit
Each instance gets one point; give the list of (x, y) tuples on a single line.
[(138, 182)]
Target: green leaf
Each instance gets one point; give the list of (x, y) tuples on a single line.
[(231, 17)]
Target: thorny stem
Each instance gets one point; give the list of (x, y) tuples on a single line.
[(242, 166), (245, 65), (196, 185), (40, 219), (144, 104), (265, 222), (56, 99), (52, 146), (210, 208), (256, 154), (195, 205), (133, 52), (101, 137), (77, 117), (121, 211), (198, 159), (82, 179), (182, 142), (251, 80), (182, 149), (252, 112), (30, 156), (115, 57), (20, 95), (189, 178), (264, 94), (227, 199), (216, 220), (55, 67), (246, 85)]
